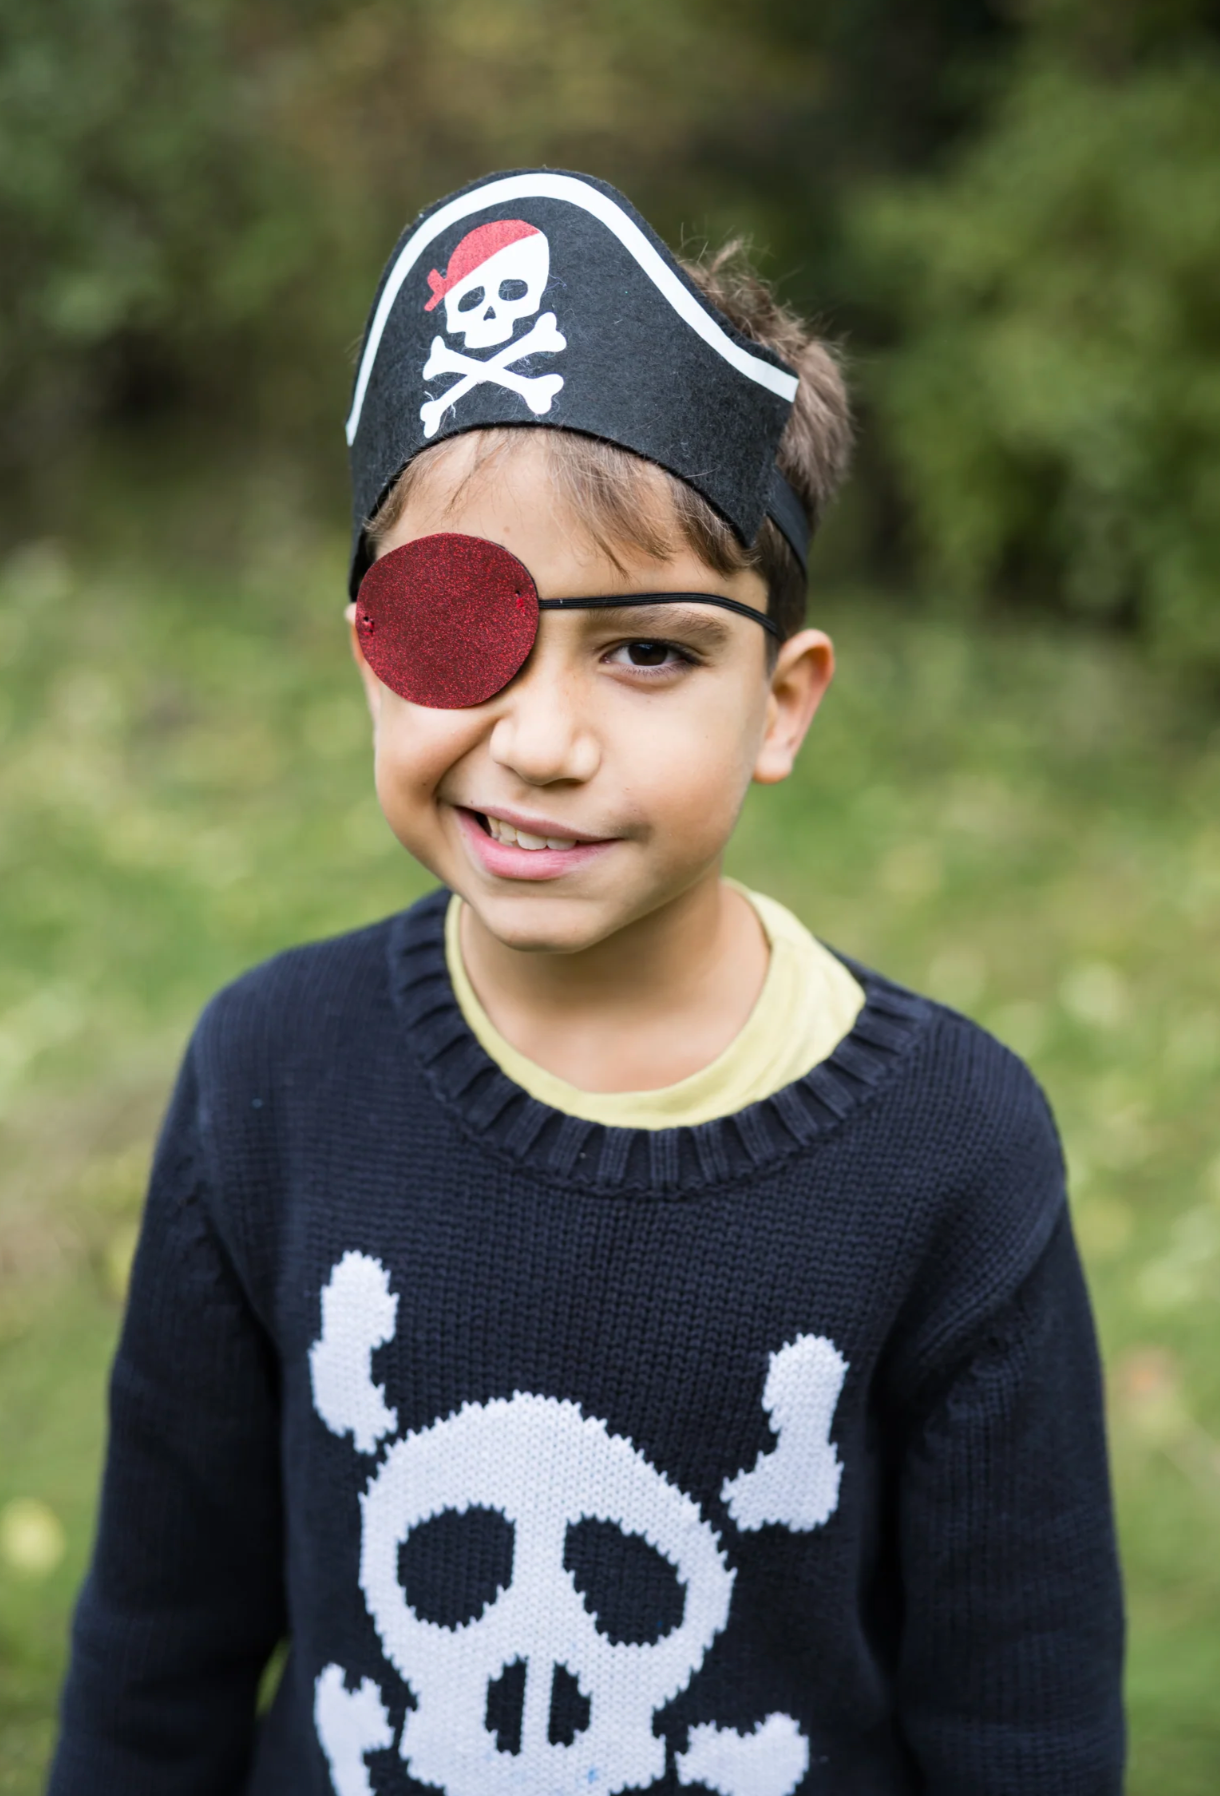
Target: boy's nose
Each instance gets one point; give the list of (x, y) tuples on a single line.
[(542, 735)]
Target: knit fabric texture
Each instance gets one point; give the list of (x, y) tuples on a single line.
[(807, 1004), (752, 1458)]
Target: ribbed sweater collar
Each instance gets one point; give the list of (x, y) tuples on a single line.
[(671, 1163)]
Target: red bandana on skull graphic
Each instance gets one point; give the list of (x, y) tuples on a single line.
[(496, 275)]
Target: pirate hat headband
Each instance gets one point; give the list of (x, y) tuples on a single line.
[(544, 298)]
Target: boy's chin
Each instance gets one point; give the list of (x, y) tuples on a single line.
[(543, 921)]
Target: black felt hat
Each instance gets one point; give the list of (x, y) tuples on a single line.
[(540, 297)]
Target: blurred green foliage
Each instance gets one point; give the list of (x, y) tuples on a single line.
[(144, 216), (1010, 209), (1052, 397), (1020, 820), (196, 196)]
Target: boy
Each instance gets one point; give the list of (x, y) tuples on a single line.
[(619, 1344)]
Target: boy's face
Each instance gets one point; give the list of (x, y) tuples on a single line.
[(626, 743)]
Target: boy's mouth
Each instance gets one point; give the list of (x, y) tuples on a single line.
[(517, 847), (500, 831)]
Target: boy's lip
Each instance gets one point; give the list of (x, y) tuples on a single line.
[(505, 860), (535, 826)]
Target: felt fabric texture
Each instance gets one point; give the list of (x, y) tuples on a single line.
[(542, 297), (763, 1456), (787, 512), (475, 249), (448, 620)]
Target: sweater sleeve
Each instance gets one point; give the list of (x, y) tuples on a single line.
[(183, 1603), (1011, 1658)]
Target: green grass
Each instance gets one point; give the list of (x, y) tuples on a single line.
[(1027, 825)]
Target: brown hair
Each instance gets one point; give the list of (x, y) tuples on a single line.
[(614, 491)]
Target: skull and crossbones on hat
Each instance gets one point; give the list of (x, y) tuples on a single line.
[(648, 364), (647, 361), (495, 276)]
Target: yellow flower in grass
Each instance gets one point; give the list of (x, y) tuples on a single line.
[(32, 1539)]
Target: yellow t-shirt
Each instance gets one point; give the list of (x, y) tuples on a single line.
[(808, 1003)]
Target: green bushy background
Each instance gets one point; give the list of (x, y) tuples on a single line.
[(1010, 213), (1008, 209)]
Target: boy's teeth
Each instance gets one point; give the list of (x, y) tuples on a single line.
[(520, 838)]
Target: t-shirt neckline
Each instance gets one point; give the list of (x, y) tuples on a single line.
[(777, 1043), (573, 1152)]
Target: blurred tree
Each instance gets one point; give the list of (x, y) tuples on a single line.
[(145, 217), (1009, 206), (195, 196), (1051, 397)]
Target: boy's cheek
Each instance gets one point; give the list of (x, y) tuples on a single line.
[(674, 783), (415, 747), (698, 780), (407, 771)]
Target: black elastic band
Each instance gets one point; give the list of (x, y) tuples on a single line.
[(626, 599), (788, 514)]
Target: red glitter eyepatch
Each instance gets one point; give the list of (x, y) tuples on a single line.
[(448, 620)]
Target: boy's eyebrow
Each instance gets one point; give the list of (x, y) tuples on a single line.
[(660, 619), (704, 627), (630, 601)]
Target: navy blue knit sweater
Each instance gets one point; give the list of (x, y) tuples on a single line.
[(753, 1458)]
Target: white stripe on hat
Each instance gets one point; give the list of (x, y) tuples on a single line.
[(629, 234)]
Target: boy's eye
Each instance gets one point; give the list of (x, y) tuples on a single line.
[(646, 653)]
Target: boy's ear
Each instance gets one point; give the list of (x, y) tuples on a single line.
[(372, 685), (803, 670)]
